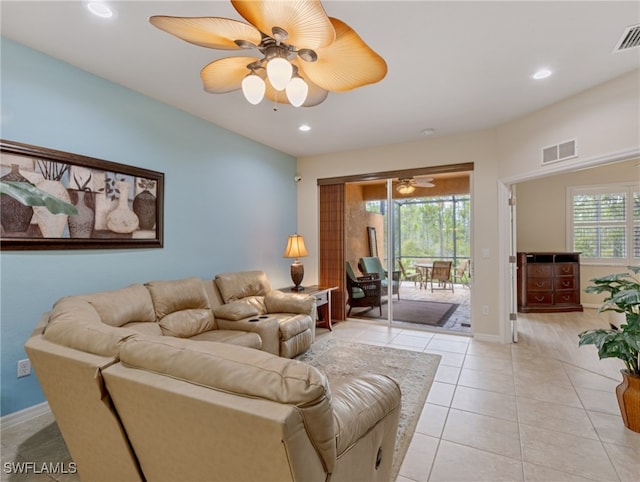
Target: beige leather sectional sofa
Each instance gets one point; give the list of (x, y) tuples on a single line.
[(181, 381)]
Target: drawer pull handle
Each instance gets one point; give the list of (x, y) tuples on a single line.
[(566, 284), (540, 284), (539, 299), (566, 270), (565, 298)]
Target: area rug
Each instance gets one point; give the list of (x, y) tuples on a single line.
[(413, 371), (433, 313)]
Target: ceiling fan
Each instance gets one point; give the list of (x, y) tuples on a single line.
[(303, 53), (406, 185)]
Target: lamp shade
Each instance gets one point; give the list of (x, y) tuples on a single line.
[(297, 91), (279, 71), (295, 247), (253, 88)]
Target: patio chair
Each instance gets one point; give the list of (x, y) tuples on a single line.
[(441, 272), (362, 292), (372, 265), (461, 273), (415, 277)]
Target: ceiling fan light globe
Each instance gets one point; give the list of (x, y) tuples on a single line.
[(279, 72), (297, 91), (253, 88)]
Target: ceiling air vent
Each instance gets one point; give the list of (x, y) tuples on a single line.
[(559, 152), (630, 39)]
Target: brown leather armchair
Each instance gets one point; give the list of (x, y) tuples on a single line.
[(363, 292)]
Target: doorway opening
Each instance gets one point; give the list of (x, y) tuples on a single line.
[(418, 243)]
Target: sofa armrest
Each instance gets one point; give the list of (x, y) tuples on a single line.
[(279, 302), (359, 403), (267, 329)]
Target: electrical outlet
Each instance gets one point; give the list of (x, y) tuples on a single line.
[(24, 368), (485, 310)]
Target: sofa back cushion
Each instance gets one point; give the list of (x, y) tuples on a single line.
[(244, 372), (182, 306), (242, 284), (126, 305)]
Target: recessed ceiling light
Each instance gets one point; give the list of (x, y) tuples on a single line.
[(100, 9), (304, 128), (428, 132), (542, 74)]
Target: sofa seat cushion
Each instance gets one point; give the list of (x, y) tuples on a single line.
[(234, 337), (246, 373), (242, 284), (119, 307)]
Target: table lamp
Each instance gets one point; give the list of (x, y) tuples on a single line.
[(296, 249)]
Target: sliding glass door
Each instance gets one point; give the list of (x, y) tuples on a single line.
[(395, 228)]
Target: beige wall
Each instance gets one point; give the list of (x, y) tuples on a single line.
[(603, 119), (542, 214)]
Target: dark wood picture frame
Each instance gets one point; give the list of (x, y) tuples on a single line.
[(118, 206)]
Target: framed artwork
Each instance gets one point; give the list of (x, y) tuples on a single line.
[(57, 200), (373, 241)]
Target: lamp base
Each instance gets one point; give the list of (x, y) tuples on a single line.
[(297, 273)]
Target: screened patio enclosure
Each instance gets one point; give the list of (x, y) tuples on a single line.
[(428, 228), (408, 232)]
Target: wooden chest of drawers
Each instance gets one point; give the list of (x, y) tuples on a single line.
[(548, 282)]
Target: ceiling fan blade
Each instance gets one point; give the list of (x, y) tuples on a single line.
[(317, 95), (211, 32), (305, 21), (225, 75), (423, 184), (346, 64)]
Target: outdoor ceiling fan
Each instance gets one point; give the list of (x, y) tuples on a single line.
[(406, 185), (303, 53)]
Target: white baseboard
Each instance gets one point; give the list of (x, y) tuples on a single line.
[(21, 416)]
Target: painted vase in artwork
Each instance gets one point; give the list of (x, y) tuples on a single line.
[(81, 224), (15, 216), (51, 225), (122, 219), (144, 205)]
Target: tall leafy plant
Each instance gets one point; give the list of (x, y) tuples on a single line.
[(623, 296)]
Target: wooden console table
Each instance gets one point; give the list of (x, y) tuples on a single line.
[(323, 302)]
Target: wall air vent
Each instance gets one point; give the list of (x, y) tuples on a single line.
[(559, 152), (630, 39)]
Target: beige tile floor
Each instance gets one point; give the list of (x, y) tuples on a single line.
[(531, 411), (539, 410)]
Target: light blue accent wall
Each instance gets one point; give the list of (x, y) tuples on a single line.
[(229, 202)]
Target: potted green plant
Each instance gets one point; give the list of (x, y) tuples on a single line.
[(623, 296)]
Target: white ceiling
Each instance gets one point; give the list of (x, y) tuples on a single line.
[(453, 66)]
